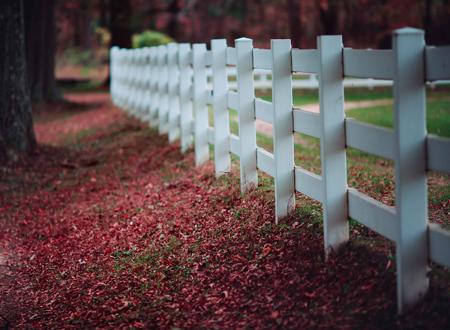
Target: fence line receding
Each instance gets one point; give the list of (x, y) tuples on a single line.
[(172, 86)]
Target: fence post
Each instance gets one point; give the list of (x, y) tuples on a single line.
[(113, 72), (154, 95), (332, 142), (200, 108), (222, 160), (246, 114), (410, 166), (283, 128), (162, 89), (174, 110), (146, 91), (184, 63)]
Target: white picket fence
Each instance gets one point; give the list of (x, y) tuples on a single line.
[(167, 86)]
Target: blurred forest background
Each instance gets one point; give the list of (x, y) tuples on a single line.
[(85, 29)]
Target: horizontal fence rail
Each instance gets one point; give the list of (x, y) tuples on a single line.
[(170, 87)]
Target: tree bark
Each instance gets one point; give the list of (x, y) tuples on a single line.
[(328, 13), (120, 27), (172, 26), (16, 123), (40, 41), (293, 8), (427, 20), (121, 31)]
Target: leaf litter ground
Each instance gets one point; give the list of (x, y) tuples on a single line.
[(109, 226)]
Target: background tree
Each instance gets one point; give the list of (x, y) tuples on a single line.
[(16, 124), (40, 41), (120, 23)]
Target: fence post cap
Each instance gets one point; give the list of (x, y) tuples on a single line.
[(243, 39), (408, 30)]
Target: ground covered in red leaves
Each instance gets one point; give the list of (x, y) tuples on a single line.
[(109, 226)]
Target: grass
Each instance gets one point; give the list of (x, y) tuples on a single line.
[(438, 116), (302, 97), (89, 86), (370, 174)]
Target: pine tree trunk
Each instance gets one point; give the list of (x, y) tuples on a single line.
[(16, 123), (40, 40), (294, 13), (121, 32), (120, 27)]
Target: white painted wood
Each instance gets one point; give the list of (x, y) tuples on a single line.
[(143, 84), (410, 167), (437, 63), (231, 56), (211, 133), (113, 73), (155, 92), (209, 97), (146, 86), (262, 59), (439, 239), (222, 160), (373, 214), (234, 144), (438, 153), (309, 183), (153, 83), (154, 102), (208, 58), (200, 108), (305, 60), (283, 128), (246, 114), (174, 102), (366, 63), (163, 105), (373, 139), (332, 142), (233, 100), (265, 161), (307, 122), (264, 110)]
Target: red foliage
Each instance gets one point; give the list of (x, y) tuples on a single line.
[(125, 233)]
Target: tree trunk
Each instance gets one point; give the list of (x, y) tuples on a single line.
[(328, 13), (121, 31), (40, 41), (172, 26), (16, 123), (120, 27), (427, 20), (293, 8)]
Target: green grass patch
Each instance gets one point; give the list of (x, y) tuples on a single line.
[(438, 116)]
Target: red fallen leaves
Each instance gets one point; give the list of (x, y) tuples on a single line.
[(154, 243)]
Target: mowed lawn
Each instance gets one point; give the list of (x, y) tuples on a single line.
[(368, 173)]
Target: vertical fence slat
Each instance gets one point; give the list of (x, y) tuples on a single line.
[(174, 105), (153, 90), (246, 114), (200, 108), (222, 159), (332, 142), (159, 85), (146, 87), (162, 90), (185, 83), (410, 166), (283, 128)]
